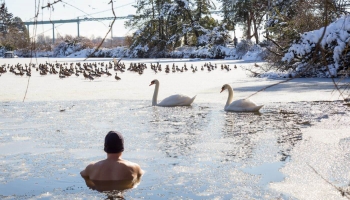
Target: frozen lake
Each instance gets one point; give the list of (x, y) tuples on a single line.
[(197, 152)]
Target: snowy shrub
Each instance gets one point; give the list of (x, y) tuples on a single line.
[(203, 52), (64, 49), (332, 57), (175, 54), (139, 51), (69, 45), (255, 53), (119, 52), (243, 47), (217, 52)]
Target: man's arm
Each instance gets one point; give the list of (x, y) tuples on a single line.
[(85, 174), (139, 171)]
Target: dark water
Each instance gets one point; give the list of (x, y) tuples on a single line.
[(198, 152)]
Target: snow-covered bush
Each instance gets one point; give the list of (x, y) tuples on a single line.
[(138, 51), (71, 49), (217, 52), (71, 45), (202, 52), (243, 47), (64, 49), (326, 61), (255, 53)]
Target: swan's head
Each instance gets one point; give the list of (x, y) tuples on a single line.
[(155, 81), (224, 87)]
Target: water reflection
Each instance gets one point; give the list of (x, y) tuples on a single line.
[(242, 129), (182, 148), (112, 189), (237, 131), (178, 128)]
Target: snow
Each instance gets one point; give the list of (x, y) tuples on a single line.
[(252, 56), (336, 37), (324, 145), (247, 153)]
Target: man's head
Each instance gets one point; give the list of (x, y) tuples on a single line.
[(114, 142)]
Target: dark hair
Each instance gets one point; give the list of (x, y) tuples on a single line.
[(114, 142)]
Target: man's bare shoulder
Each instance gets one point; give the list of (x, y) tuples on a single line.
[(136, 167), (85, 173), (129, 163)]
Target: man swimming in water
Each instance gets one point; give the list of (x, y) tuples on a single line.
[(114, 168)]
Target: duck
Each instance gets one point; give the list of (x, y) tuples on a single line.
[(173, 100), (117, 77), (241, 105)]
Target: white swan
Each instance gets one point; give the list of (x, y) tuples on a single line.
[(241, 105), (173, 100)]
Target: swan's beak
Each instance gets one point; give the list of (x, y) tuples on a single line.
[(150, 84), (222, 90)]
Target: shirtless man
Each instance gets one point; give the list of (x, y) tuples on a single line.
[(114, 168)]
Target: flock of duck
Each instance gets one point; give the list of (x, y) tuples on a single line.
[(97, 69), (241, 105), (64, 70)]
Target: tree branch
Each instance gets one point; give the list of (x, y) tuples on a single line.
[(343, 193), (110, 28), (270, 50), (51, 4), (274, 42)]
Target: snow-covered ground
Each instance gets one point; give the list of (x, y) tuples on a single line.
[(324, 127), (135, 86)]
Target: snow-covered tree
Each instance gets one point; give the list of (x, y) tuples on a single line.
[(228, 14), (289, 18), (168, 25), (324, 52)]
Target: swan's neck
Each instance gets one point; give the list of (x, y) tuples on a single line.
[(155, 95), (230, 96)]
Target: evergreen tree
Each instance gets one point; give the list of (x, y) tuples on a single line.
[(250, 14), (203, 7), (13, 33), (228, 14), (149, 22), (164, 25)]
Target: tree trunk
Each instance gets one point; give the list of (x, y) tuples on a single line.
[(192, 24), (255, 29), (248, 27)]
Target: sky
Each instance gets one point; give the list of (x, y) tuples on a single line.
[(72, 9)]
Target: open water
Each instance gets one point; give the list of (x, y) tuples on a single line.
[(196, 152)]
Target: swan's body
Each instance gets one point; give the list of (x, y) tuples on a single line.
[(173, 100), (241, 105)]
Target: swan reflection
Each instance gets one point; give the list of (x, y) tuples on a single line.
[(178, 132), (243, 130), (237, 132)]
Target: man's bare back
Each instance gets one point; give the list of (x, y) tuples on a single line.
[(112, 169)]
